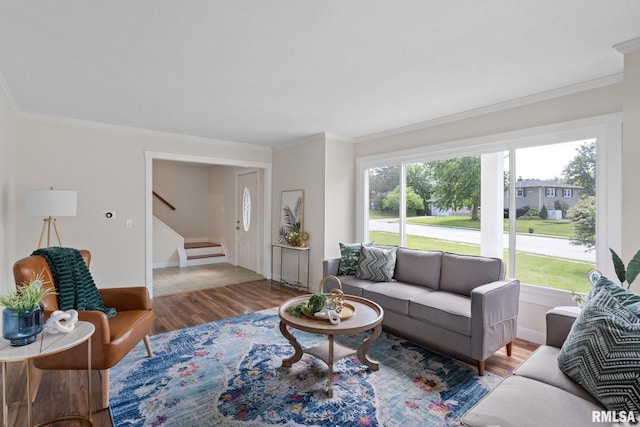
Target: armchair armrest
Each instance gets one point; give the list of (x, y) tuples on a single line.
[(122, 299), (330, 267), (559, 323), (494, 316)]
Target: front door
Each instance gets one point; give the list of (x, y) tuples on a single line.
[(246, 220)]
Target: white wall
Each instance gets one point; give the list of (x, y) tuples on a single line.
[(184, 186), (7, 191), (107, 168)]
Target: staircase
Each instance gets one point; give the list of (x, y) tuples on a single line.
[(201, 253)]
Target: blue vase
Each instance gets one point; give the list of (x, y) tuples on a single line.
[(22, 328)]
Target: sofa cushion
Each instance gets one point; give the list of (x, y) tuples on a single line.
[(376, 264), (444, 309), (602, 351), (462, 273), (523, 402), (394, 296), (349, 257), (418, 267), (353, 286), (542, 365)]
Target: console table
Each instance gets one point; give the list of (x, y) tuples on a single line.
[(45, 345), (299, 250)]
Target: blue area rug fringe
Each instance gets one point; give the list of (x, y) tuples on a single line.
[(228, 373)]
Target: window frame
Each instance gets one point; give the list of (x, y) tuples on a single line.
[(564, 193), (550, 192), (519, 192), (606, 129)]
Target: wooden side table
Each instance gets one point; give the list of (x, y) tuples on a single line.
[(45, 345)]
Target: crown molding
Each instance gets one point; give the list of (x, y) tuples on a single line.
[(320, 136), (518, 102), (630, 46), (138, 131)]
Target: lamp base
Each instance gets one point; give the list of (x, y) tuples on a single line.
[(47, 226)]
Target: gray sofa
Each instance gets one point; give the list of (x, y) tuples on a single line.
[(538, 393), (457, 303)]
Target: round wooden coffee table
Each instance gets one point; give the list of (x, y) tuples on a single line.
[(367, 316)]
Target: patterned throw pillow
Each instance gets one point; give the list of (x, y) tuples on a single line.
[(376, 264), (620, 293), (349, 256), (602, 351)]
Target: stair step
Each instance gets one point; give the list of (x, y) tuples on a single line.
[(193, 245), (204, 256)]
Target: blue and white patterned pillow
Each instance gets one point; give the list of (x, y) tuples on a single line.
[(376, 264), (602, 351)]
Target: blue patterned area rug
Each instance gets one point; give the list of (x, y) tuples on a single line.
[(228, 373)]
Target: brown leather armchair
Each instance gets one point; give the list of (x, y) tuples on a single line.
[(113, 338)]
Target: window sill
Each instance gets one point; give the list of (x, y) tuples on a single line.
[(545, 296)]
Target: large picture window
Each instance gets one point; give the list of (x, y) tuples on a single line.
[(542, 195)]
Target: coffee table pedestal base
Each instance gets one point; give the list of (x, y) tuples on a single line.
[(330, 352)]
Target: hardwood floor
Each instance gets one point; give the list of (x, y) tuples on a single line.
[(64, 392)]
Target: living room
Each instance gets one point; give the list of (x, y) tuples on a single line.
[(107, 159)]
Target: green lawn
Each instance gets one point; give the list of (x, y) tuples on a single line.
[(532, 269), (557, 228)]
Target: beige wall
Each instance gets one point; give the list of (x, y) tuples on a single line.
[(630, 160), (205, 198), (324, 169), (339, 196), (7, 192), (107, 169), (185, 186), (590, 103)]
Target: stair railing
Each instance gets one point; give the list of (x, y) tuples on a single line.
[(163, 200)]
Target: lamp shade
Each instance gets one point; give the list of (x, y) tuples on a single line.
[(52, 203)]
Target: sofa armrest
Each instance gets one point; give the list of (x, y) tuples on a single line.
[(559, 322), (494, 316), (330, 267), (122, 299)]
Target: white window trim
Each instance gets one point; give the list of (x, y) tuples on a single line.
[(550, 192), (607, 129), (569, 191), (519, 192)]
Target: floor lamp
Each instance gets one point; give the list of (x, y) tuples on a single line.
[(50, 204)]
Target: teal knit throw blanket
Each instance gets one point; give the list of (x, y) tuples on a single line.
[(74, 284)]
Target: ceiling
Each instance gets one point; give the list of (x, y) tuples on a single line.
[(275, 72)]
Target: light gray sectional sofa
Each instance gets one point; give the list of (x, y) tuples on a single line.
[(539, 393), (448, 301)]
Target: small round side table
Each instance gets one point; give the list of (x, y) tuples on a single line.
[(45, 345)]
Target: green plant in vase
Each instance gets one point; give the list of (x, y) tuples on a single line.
[(23, 316)]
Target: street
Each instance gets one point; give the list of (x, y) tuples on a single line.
[(551, 246)]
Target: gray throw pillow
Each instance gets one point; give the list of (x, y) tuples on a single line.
[(376, 264), (602, 351), (349, 256)]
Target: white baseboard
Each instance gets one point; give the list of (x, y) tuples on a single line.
[(531, 335), (165, 264)]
